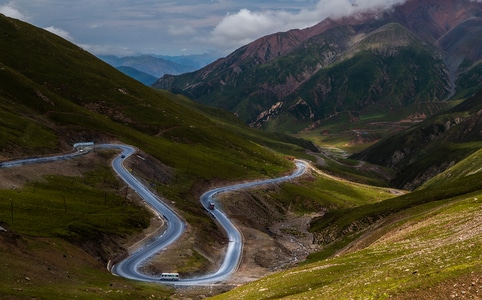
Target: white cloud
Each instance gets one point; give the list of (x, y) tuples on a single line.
[(11, 11), (244, 26), (60, 32)]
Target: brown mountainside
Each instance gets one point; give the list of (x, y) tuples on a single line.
[(265, 82)]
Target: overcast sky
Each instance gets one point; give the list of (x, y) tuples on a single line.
[(129, 27)]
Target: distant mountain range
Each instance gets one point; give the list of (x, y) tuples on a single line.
[(377, 61), (148, 68), (145, 78)]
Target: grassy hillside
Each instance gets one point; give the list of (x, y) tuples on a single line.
[(423, 261), (55, 269), (62, 229), (279, 142), (54, 94), (423, 244), (468, 166), (65, 95)]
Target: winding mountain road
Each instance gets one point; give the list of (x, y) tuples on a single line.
[(130, 267)]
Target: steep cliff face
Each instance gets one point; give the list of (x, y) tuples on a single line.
[(388, 59)]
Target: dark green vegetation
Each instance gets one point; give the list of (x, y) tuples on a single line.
[(75, 209), (295, 80), (52, 95)]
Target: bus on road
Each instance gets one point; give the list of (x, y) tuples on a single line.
[(170, 276)]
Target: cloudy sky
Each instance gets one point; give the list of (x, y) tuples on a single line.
[(129, 27)]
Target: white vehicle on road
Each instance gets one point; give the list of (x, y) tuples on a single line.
[(169, 276)]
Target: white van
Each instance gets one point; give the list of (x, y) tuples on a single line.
[(170, 276)]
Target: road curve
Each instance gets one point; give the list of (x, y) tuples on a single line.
[(130, 267), (235, 246)]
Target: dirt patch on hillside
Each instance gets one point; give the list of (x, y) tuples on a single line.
[(187, 257), (274, 237), (285, 244), (16, 177)]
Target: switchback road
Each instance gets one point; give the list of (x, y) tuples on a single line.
[(130, 267)]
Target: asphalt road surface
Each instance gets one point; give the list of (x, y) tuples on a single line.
[(130, 267)]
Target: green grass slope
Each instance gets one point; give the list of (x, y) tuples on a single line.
[(419, 245), (54, 94), (279, 142), (62, 230), (63, 94), (468, 166)]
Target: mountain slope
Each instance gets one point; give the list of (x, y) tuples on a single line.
[(293, 76), (431, 147), (376, 74)]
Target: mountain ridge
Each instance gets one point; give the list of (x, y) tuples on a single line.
[(244, 84)]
